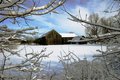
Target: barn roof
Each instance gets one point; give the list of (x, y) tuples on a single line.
[(43, 35), (71, 34)]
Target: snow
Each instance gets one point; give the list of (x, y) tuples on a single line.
[(68, 34), (80, 50)]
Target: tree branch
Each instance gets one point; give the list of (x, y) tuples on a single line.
[(75, 19), (31, 11)]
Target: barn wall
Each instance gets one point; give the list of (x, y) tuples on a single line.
[(53, 38)]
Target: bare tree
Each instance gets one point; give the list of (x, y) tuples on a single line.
[(91, 29)]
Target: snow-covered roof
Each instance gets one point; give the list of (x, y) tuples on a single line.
[(68, 34)]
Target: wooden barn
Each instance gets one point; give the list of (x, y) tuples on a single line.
[(50, 38), (53, 37)]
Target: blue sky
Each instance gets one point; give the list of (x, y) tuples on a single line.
[(60, 22)]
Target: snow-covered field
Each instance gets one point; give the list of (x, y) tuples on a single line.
[(80, 50)]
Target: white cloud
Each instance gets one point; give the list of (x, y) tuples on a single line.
[(43, 24), (60, 22), (43, 21), (68, 25)]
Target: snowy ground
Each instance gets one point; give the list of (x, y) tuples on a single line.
[(80, 50)]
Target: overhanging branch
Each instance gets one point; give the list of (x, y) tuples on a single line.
[(75, 19)]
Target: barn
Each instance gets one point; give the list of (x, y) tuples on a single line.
[(50, 38), (53, 37)]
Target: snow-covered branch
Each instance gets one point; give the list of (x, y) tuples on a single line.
[(20, 12), (75, 19)]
